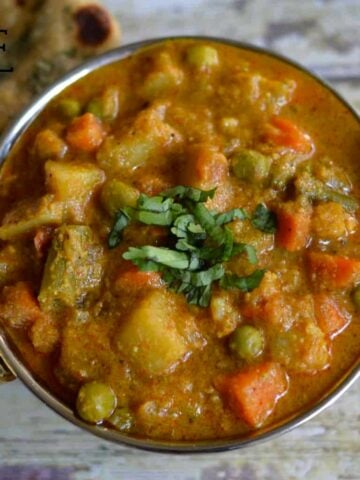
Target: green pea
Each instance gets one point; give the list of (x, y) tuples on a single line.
[(247, 342), (202, 57), (251, 166), (95, 107), (69, 108), (105, 107), (95, 402), (122, 419), (356, 297)]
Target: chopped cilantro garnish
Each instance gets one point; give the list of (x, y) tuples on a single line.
[(202, 242), (264, 219)]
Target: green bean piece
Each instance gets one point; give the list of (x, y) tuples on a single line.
[(314, 189), (356, 297), (251, 166), (95, 402), (202, 57), (122, 419), (69, 108), (349, 203), (247, 342)]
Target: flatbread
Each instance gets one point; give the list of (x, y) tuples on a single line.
[(45, 39)]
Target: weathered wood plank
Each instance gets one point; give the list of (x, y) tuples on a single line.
[(36, 444)]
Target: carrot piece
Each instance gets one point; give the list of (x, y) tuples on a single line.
[(85, 133), (332, 271), (204, 167), (135, 279), (253, 394), (19, 307), (328, 315), (293, 227), (283, 132), (253, 310)]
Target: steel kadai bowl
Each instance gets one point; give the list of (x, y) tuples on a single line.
[(11, 365)]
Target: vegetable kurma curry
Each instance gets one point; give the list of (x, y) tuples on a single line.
[(180, 253)]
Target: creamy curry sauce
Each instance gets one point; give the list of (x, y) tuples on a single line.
[(117, 343)]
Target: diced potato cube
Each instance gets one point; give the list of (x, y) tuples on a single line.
[(117, 194), (85, 352), (294, 337), (148, 136), (165, 75), (301, 348), (29, 216), (224, 314), (203, 57), (153, 337), (44, 334), (49, 145), (329, 221), (73, 184), (264, 94), (73, 268)]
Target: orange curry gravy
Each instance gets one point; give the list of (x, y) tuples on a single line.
[(203, 115)]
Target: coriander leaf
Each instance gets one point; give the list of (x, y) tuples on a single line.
[(194, 194), (204, 296), (154, 204), (181, 225), (183, 245), (251, 253), (263, 219), (245, 284), (204, 277), (235, 213), (122, 219), (208, 223), (147, 265), (177, 209), (162, 255), (155, 218), (195, 262), (245, 248), (228, 245)]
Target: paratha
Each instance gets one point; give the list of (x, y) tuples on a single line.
[(45, 39)]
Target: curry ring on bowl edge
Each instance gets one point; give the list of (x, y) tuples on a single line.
[(180, 253)]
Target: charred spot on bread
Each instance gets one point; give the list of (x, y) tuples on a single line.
[(94, 25)]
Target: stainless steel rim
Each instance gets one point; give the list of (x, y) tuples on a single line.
[(8, 140)]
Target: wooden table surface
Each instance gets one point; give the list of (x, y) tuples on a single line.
[(36, 444)]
